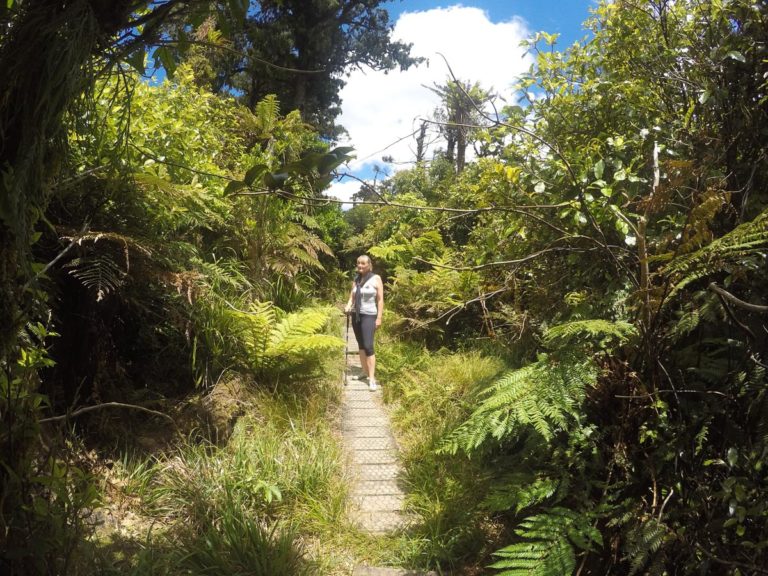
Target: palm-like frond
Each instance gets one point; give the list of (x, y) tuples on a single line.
[(544, 395), (547, 544), (274, 344), (747, 241), (520, 490), (98, 272), (704, 307), (642, 543), (603, 333), (267, 114), (303, 323)]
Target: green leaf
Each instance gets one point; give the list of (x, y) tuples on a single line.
[(137, 60), (620, 175), (164, 57), (540, 187), (235, 186), (704, 96), (254, 173), (736, 55), (598, 169), (276, 180)]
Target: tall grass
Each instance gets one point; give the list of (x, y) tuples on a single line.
[(240, 544), (265, 502), (430, 394)]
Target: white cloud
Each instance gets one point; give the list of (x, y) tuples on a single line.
[(344, 190), (378, 108)]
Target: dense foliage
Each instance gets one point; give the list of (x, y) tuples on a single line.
[(576, 345), (611, 244), (300, 51)]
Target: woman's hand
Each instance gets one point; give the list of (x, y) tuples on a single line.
[(378, 321)]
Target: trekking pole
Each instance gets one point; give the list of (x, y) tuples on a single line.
[(346, 349)]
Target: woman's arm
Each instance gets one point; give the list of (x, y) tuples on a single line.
[(379, 300)]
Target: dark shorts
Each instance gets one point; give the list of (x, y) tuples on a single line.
[(364, 326)]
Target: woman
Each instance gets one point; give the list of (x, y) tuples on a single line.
[(366, 304)]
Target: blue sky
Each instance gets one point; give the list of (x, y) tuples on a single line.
[(553, 16), (481, 41)]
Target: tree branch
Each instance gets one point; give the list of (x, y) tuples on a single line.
[(99, 407), (740, 303), (492, 264)]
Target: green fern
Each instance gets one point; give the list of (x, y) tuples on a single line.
[(548, 542), (598, 332), (747, 241), (267, 115), (642, 543), (275, 345), (756, 383), (544, 396), (704, 307), (520, 490)]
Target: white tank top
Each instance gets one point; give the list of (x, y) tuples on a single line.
[(368, 300)]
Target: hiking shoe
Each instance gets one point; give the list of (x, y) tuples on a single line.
[(372, 385)]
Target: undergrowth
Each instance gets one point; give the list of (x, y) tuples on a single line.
[(431, 393), (271, 499)]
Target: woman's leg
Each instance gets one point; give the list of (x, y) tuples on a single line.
[(357, 328), (364, 362), (367, 329), (372, 367)]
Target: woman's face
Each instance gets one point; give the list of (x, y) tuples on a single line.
[(363, 265)]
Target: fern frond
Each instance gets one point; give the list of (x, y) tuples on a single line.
[(98, 272), (256, 325), (520, 490), (642, 543), (746, 241), (125, 242), (302, 345), (267, 114), (303, 323), (704, 307), (757, 384), (547, 544), (602, 333), (181, 205), (274, 344), (224, 276), (544, 396)]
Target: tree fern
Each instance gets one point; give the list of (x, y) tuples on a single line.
[(749, 240), (548, 542), (520, 490), (544, 396), (267, 115), (98, 272), (275, 345), (602, 333), (178, 207)]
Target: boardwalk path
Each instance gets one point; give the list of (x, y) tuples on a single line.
[(372, 452)]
